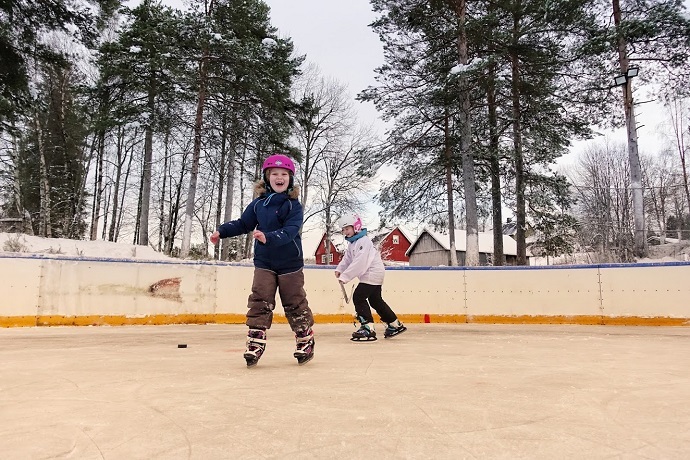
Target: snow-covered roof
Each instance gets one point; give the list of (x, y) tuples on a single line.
[(382, 233), (486, 241), (338, 241)]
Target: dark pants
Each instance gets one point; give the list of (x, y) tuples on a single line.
[(367, 296), (262, 300)]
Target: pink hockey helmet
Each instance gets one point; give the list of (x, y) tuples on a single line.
[(278, 161), (351, 219)]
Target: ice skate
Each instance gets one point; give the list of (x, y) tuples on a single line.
[(304, 352), (256, 344), (365, 333), (394, 329)]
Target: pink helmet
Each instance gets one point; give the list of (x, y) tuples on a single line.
[(278, 161), (351, 219)]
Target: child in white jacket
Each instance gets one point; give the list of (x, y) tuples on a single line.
[(362, 260)]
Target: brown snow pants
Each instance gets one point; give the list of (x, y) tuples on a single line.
[(292, 295)]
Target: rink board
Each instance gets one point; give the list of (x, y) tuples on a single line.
[(83, 291)]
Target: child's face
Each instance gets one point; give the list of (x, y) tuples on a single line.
[(279, 179), (349, 231)]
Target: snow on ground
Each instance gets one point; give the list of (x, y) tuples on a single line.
[(54, 247)]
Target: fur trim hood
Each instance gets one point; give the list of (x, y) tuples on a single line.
[(260, 189)]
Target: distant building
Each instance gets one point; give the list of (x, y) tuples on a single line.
[(432, 249), (392, 243), (334, 255), (510, 229)]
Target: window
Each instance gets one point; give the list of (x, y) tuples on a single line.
[(396, 239), (330, 257), (323, 259)]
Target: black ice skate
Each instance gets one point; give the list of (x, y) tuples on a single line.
[(392, 331), (256, 344), (304, 351), (364, 334)]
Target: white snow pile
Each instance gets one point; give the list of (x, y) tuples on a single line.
[(56, 247)]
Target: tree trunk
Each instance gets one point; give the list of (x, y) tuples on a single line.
[(145, 200), (472, 225), (495, 171), (229, 199), (448, 156), (175, 213), (165, 178), (116, 185), (98, 187), (44, 189), (520, 212), (16, 179), (640, 247), (680, 145), (196, 154), (221, 179)]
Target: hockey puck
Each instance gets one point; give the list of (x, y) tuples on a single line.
[(181, 345)]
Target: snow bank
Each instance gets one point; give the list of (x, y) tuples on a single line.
[(55, 247)]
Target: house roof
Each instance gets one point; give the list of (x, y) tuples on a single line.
[(382, 233), (486, 242), (338, 241)]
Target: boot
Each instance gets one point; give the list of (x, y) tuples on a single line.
[(304, 350), (256, 344), (365, 333), (393, 329)]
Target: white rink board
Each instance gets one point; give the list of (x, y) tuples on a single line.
[(76, 288), (73, 287), (533, 291), (425, 291), (647, 291), (19, 289)]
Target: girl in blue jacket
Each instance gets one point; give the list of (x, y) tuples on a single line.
[(274, 219)]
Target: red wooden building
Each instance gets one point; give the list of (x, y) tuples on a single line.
[(335, 255), (393, 244)]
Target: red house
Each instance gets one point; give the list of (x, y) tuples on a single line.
[(333, 258), (393, 244)]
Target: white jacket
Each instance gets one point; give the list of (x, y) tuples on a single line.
[(361, 260)]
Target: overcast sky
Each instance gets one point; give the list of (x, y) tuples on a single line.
[(336, 36)]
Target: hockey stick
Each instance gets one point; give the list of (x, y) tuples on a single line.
[(342, 288)]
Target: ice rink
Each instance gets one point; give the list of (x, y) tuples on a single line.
[(438, 391)]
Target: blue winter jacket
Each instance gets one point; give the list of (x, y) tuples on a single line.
[(280, 217)]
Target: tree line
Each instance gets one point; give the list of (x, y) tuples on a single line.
[(485, 96), (149, 124)]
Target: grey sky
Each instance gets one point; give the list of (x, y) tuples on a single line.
[(335, 36)]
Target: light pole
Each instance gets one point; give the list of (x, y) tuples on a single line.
[(625, 80)]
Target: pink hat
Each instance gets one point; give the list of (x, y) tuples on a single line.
[(278, 161)]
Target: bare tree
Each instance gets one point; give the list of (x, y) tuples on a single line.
[(681, 132), (601, 182), (342, 179), (324, 115), (661, 183)]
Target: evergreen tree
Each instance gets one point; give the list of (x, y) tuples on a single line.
[(23, 23), (238, 53)]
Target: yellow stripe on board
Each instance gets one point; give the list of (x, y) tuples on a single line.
[(234, 318), (17, 321)]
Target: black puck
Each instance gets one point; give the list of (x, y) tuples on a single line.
[(181, 345)]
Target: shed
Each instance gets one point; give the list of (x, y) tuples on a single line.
[(432, 249)]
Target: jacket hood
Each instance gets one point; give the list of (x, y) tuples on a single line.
[(260, 189)]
